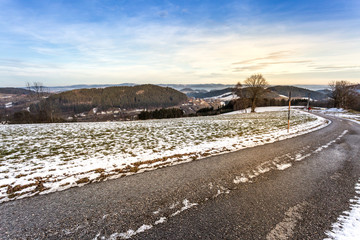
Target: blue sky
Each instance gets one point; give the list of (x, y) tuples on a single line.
[(95, 42)]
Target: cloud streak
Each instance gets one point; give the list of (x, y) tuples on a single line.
[(271, 56)]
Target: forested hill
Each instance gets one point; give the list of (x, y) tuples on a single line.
[(141, 96), (14, 91), (298, 92)]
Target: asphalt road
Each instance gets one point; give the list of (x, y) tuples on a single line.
[(208, 198)]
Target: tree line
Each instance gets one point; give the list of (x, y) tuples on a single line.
[(161, 113)]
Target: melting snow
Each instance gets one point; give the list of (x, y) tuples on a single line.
[(281, 162), (347, 226), (130, 233), (161, 220), (238, 180), (186, 206), (283, 166)]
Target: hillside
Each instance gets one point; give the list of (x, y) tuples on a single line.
[(213, 93), (297, 92), (17, 91), (141, 96), (326, 92)]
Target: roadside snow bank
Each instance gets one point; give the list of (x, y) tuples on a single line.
[(347, 226)]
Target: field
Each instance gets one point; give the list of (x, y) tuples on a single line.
[(42, 158)]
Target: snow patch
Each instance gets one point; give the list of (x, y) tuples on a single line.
[(186, 206), (161, 220), (173, 205), (130, 233), (283, 166), (156, 212), (242, 179), (300, 157), (347, 226)]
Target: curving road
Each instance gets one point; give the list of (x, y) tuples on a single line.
[(291, 189)]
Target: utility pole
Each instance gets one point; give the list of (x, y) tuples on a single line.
[(289, 112)]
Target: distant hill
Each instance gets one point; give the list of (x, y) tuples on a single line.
[(14, 91), (326, 92), (141, 96), (187, 90), (297, 92)]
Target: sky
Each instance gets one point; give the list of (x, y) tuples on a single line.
[(67, 42)]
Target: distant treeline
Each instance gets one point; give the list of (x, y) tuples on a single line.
[(15, 91), (41, 116), (161, 113)]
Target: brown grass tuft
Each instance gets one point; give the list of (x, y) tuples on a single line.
[(83, 180), (99, 170)]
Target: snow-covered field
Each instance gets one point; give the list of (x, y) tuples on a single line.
[(42, 158), (266, 109), (225, 96)]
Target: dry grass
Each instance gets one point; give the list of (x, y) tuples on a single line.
[(83, 180)]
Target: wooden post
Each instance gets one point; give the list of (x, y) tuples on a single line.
[(289, 112), (308, 103)]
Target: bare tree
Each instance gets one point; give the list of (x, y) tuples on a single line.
[(44, 109), (342, 93), (242, 101), (38, 90), (256, 85)]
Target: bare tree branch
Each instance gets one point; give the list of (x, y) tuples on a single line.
[(342, 93)]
